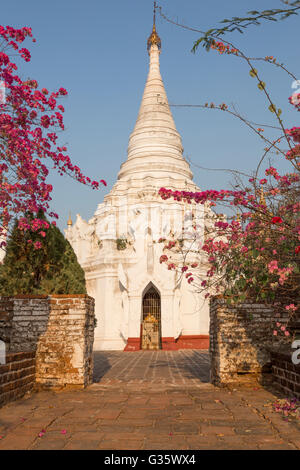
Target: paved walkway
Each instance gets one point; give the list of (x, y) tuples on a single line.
[(137, 406), (164, 367)]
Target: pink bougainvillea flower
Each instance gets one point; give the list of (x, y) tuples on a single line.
[(291, 307), (277, 220)]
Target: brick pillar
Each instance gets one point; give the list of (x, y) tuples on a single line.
[(240, 340), (6, 314), (65, 350)]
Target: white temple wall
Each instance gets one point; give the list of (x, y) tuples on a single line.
[(108, 311), (194, 312), (167, 320), (118, 302), (135, 316)]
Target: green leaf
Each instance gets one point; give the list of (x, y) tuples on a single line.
[(242, 283), (269, 12)]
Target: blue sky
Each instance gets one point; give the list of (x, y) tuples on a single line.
[(97, 51)]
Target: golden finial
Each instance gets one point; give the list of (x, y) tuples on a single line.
[(262, 200), (70, 223), (154, 38), (238, 217)]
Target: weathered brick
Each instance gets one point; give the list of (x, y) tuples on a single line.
[(240, 340), (56, 331)]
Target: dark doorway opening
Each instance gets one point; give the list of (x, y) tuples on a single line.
[(151, 322)]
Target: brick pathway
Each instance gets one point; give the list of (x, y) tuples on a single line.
[(134, 406), (164, 367)]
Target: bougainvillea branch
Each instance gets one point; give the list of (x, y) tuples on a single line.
[(255, 253), (29, 120)]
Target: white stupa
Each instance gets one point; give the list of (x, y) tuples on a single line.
[(139, 303)]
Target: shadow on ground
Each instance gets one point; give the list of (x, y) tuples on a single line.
[(101, 364)]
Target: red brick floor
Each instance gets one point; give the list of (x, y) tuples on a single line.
[(148, 400), (167, 367)]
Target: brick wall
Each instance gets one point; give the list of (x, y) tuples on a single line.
[(27, 319), (6, 313), (286, 375), (64, 352), (60, 328), (240, 338), (17, 376)]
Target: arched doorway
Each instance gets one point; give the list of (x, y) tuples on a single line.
[(151, 320)]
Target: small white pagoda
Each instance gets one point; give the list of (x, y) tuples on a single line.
[(139, 303)]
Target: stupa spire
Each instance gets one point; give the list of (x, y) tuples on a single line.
[(155, 145), (154, 38), (70, 222)]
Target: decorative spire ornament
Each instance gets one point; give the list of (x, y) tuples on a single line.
[(154, 38), (155, 146), (70, 223), (262, 200)]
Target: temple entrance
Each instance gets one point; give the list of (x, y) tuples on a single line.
[(151, 324)]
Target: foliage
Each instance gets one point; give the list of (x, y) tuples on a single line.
[(29, 118), (40, 262), (240, 24), (121, 244), (289, 408), (256, 253)]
